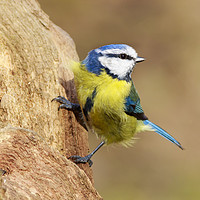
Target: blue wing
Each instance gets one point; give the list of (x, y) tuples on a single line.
[(134, 108)]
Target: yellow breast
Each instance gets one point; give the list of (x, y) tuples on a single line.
[(106, 117)]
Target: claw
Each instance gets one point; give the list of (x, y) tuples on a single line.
[(86, 159), (64, 103), (61, 100), (65, 106), (79, 159)]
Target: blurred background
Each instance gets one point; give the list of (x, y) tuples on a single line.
[(167, 34)]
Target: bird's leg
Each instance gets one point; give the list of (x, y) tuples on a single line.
[(66, 104), (79, 159)]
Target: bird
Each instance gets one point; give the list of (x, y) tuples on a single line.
[(108, 100)]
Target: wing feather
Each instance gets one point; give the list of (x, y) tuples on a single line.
[(133, 106)]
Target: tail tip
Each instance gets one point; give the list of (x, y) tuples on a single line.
[(179, 145)]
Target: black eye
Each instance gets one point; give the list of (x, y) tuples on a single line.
[(123, 56)]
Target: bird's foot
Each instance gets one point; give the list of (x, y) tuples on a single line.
[(66, 104), (79, 159)]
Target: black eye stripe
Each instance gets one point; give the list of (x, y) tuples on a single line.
[(123, 56)]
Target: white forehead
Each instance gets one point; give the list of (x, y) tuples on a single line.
[(126, 49)]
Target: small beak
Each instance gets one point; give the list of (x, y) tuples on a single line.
[(139, 59)]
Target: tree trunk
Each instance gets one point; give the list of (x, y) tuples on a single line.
[(35, 138)]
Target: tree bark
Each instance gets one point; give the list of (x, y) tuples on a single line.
[(35, 138)]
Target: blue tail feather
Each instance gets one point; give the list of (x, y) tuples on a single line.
[(162, 132)]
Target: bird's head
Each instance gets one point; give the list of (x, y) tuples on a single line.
[(118, 60)]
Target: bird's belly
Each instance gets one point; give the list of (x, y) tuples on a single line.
[(102, 100), (111, 126)]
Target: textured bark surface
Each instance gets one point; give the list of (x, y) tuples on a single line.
[(34, 170), (34, 54)]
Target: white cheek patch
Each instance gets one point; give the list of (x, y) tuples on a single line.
[(117, 66)]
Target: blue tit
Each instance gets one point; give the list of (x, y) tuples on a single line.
[(108, 99)]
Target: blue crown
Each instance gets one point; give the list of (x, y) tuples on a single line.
[(91, 61), (113, 46)]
